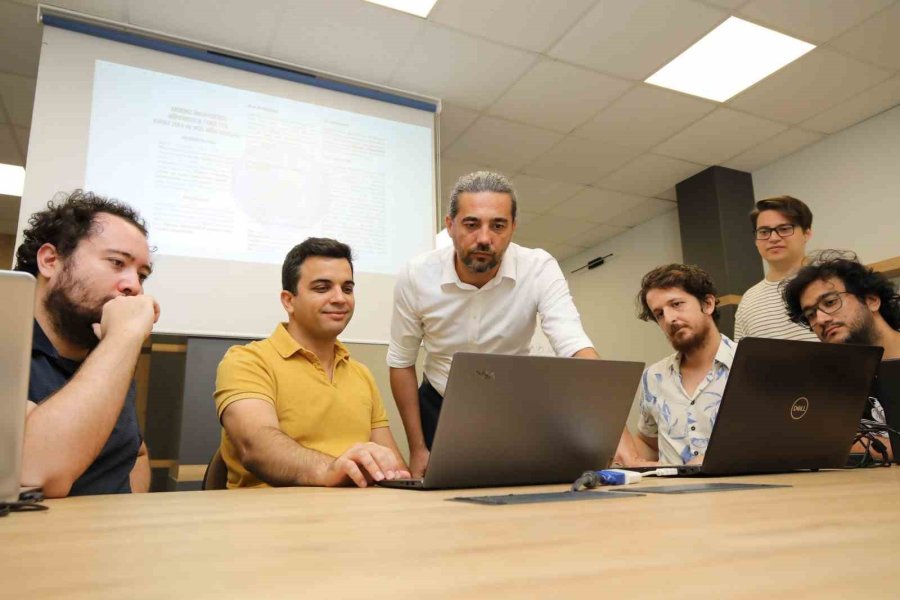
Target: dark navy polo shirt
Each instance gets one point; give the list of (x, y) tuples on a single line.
[(109, 473)]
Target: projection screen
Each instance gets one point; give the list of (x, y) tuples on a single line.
[(231, 169)]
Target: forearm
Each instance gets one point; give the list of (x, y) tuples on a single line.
[(587, 353), (140, 473), (404, 386), (65, 433), (276, 459)]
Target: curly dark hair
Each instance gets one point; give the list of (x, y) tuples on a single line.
[(858, 279), (65, 222), (326, 247), (691, 278)]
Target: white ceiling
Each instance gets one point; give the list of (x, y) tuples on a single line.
[(548, 91)]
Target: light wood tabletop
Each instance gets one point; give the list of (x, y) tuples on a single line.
[(832, 534)]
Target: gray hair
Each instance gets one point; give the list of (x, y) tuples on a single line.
[(481, 181)]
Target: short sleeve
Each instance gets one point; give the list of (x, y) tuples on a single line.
[(647, 420), (379, 414), (242, 374), (406, 326)]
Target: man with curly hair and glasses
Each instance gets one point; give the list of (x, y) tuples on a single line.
[(90, 257), (844, 302), (680, 395)]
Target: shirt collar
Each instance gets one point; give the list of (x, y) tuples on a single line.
[(724, 355), (507, 268), (287, 346), (41, 343)]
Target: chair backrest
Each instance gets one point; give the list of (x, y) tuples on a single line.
[(216, 476)]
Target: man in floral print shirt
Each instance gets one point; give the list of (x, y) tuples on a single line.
[(680, 395)]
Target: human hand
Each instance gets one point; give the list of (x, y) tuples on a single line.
[(129, 316), (418, 462), (364, 463)]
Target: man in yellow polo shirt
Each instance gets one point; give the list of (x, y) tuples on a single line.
[(295, 408)]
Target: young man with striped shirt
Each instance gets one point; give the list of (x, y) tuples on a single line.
[(782, 226)]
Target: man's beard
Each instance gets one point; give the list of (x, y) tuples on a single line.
[(862, 331), (480, 266), (691, 342), (67, 305)]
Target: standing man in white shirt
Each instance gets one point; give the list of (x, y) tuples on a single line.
[(480, 295), (782, 226)]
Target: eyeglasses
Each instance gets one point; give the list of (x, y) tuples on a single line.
[(783, 231), (829, 304)]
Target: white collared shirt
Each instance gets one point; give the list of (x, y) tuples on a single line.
[(682, 423), (433, 306)]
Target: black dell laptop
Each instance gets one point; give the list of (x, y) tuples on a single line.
[(789, 406), (525, 420)]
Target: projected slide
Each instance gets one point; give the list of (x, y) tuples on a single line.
[(230, 174)]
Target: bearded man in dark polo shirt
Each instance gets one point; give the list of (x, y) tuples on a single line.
[(90, 257)]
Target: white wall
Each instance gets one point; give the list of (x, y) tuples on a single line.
[(851, 181), (605, 296)]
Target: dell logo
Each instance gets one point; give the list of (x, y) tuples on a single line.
[(488, 375), (799, 408)]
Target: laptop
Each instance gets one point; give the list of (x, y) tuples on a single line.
[(16, 327), (523, 420), (887, 391), (789, 406)]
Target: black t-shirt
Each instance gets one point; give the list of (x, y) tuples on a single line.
[(109, 473)]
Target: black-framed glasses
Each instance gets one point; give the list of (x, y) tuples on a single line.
[(829, 304), (783, 231)]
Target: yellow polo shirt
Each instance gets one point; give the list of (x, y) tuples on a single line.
[(322, 415)]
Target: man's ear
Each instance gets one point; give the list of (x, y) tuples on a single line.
[(873, 302), (286, 298), (49, 261), (709, 304)]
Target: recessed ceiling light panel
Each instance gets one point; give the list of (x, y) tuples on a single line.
[(12, 180), (728, 60), (420, 8)]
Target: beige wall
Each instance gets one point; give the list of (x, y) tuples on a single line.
[(7, 250), (851, 181)]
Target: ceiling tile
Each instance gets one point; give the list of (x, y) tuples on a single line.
[(562, 252), (117, 10), (236, 24), (549, 228), (633, 39), (17, 95), (814, 21), (558, 96), (876, 40), (644, 117), (502, 144), (729, 4), (595, 236), (537, 195), (454, 120), (650, 174), (580, 161), (718, 136), (530, 24), (781, 145), (22, 135), (20, 44), (525, 217), (596, 205), (808, 86), (650, 208), (346, 37), (459, 68), (668, 194), (873, 101), (9, 149)]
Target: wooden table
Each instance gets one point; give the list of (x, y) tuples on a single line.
[(833, 534)]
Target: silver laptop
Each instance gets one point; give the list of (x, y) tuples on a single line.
[(522, 420), (789, 406), (16, 327)]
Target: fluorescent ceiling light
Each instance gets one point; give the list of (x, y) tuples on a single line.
[(728, 60), (12, 180), (420, 8)]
